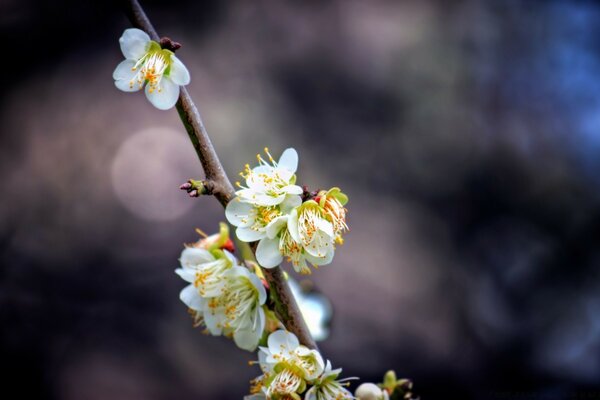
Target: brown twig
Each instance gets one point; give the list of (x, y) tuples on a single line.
[(284, 303)]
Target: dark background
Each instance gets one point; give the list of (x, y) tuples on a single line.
[(467, 135)]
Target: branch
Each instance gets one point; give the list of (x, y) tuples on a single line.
[(284, 303)]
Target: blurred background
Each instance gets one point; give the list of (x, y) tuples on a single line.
[(467, 135)]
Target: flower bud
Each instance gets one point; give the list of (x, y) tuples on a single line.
[(368, 391)]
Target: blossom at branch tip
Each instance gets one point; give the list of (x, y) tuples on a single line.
[(148, 66)]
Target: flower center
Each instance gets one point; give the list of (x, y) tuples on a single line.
[(285, 382), (151, 69), (239, 300)]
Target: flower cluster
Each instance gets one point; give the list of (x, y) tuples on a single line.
[(270, 209), (224, 296), (149, 66), (290, 369)]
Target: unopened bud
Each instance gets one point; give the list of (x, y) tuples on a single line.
[(193, 193), (369, 391), (186, 186)]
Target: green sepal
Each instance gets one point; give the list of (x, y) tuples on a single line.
[(338, 194)]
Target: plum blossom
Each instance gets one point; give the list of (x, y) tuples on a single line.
[(148, 66), (269, 183), (287, 367), (308, 236), (225, 297)]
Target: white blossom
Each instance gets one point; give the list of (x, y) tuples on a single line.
[(148, 66), (287, 366), (308, 236), (238, 310), (270, 182)]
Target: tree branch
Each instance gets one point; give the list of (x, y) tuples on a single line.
[(284, 303)]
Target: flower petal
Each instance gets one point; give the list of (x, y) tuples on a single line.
[(260, 288), (134, 43), (246, 339), (165, 96), (192, 257), (123, 75), (326, 227), (276, 225), (293, 225), (268, 254), (249, 235), (289, 160), (326, 259), (282, 341), (187, 274), (237, 212), (293, 189), (213, 319), (190, 297), (179, 73), (290, 201)]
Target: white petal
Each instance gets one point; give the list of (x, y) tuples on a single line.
[(237, 211), (290, 201), (268, 254), (187, 274), (190, 297), (320, 245), (260, 288), (123, 75), (134, 43), (213, 319), (293, 189), (326, 227), (166, 96), (192, 257), (246, 339), (280, 341), (326, 259), (179, 73), (289, 160), (249, 235), (293, 225), (266, 200), (276, 225)]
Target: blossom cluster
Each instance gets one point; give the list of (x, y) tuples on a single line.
[(290, 369), (222, 295), (286, 221)]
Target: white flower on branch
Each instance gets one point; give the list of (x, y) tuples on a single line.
[(287, 367), (225, 297), (270, 182), (148, 66), (238, 310), (308, 236)]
